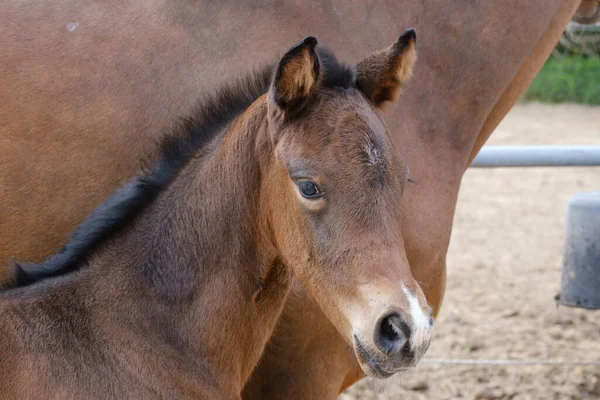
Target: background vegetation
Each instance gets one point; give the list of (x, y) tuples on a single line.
[(571, 79), (572, 73)]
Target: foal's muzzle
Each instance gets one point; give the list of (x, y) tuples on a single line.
[(399, 342)]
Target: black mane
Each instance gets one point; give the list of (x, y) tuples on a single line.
[(211, 117)]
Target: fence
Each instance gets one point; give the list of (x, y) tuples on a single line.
[(538, 156)]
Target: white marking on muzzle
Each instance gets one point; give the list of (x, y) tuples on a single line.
[(421, 334)]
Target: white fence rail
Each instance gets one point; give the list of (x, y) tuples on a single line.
[(538, 156)]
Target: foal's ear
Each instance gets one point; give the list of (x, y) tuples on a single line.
[(296, 76), (381, 75)]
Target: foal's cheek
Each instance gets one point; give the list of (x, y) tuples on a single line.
[(321, 234)]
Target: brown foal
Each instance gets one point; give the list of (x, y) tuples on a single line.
[(172, 287)]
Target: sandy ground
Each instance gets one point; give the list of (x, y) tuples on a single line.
[(504, 267)]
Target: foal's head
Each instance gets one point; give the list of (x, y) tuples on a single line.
[(333, 191)]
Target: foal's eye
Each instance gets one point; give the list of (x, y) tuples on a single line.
[(309, 190)]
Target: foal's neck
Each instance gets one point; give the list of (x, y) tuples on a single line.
[(202, 253)]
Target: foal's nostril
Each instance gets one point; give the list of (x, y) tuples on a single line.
[(391, 334)]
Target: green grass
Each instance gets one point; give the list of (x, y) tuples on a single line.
[(572, 79)]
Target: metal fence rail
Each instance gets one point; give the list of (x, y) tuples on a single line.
[(472, 361), (538, 156)]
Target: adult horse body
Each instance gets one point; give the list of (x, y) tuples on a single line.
[(188, 266), (87, 87)]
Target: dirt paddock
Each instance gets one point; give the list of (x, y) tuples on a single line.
[(504, 267)]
